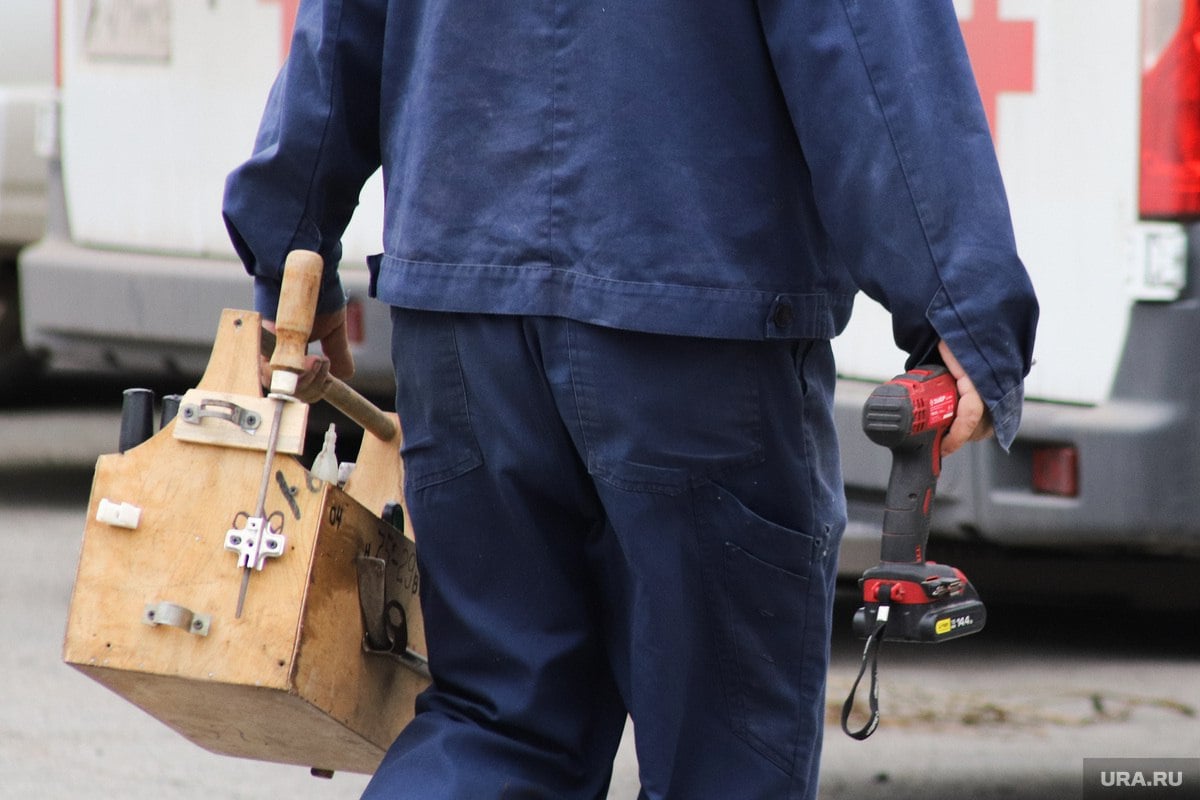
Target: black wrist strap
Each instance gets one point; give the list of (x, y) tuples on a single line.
[(870, 658)]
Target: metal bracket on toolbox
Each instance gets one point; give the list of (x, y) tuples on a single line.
[(246, 419), (225, 419), (385, 622), (165, 613)]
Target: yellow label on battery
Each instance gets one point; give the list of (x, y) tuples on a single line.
[(942, 626)]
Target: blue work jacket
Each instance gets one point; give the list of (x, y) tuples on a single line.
[(720, 168)]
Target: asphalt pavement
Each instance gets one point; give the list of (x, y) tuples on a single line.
[(1010, 713)]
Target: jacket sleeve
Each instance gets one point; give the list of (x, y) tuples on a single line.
[(317, 144), (906, 181)]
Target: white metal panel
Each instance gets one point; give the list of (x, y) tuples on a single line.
[(22, 170), (26, 43), (1068, 151), (150, 128), (26, 87)]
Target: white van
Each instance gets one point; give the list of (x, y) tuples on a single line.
[(1094, 109), (159, 100)]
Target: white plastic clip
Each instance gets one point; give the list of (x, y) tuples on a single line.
[(121, 515), (325, 465)]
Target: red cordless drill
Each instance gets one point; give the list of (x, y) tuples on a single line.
[(914, 599)]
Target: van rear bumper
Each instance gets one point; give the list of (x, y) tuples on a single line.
[(101, 310)]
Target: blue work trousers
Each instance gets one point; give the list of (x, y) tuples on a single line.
[(611, 522)]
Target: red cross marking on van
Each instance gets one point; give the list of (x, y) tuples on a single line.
[(1001, 54), (286, 23)]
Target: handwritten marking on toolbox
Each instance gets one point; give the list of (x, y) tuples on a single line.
[(289, 492)]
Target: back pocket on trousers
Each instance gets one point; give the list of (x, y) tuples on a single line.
[(760, 573), (431, 398)]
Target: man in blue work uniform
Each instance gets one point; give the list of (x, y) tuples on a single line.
[(619, 236)]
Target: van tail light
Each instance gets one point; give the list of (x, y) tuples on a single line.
[(45, 132), (356, 325), (1056, 470), (1170, 125)]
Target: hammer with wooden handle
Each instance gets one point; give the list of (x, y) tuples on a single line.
[(346, 399), (293, 325)]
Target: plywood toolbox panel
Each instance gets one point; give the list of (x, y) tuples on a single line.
[(288, 681)]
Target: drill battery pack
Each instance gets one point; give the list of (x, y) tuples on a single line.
[(926, 602)]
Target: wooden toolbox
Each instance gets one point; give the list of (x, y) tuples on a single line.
[(304, 675)]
